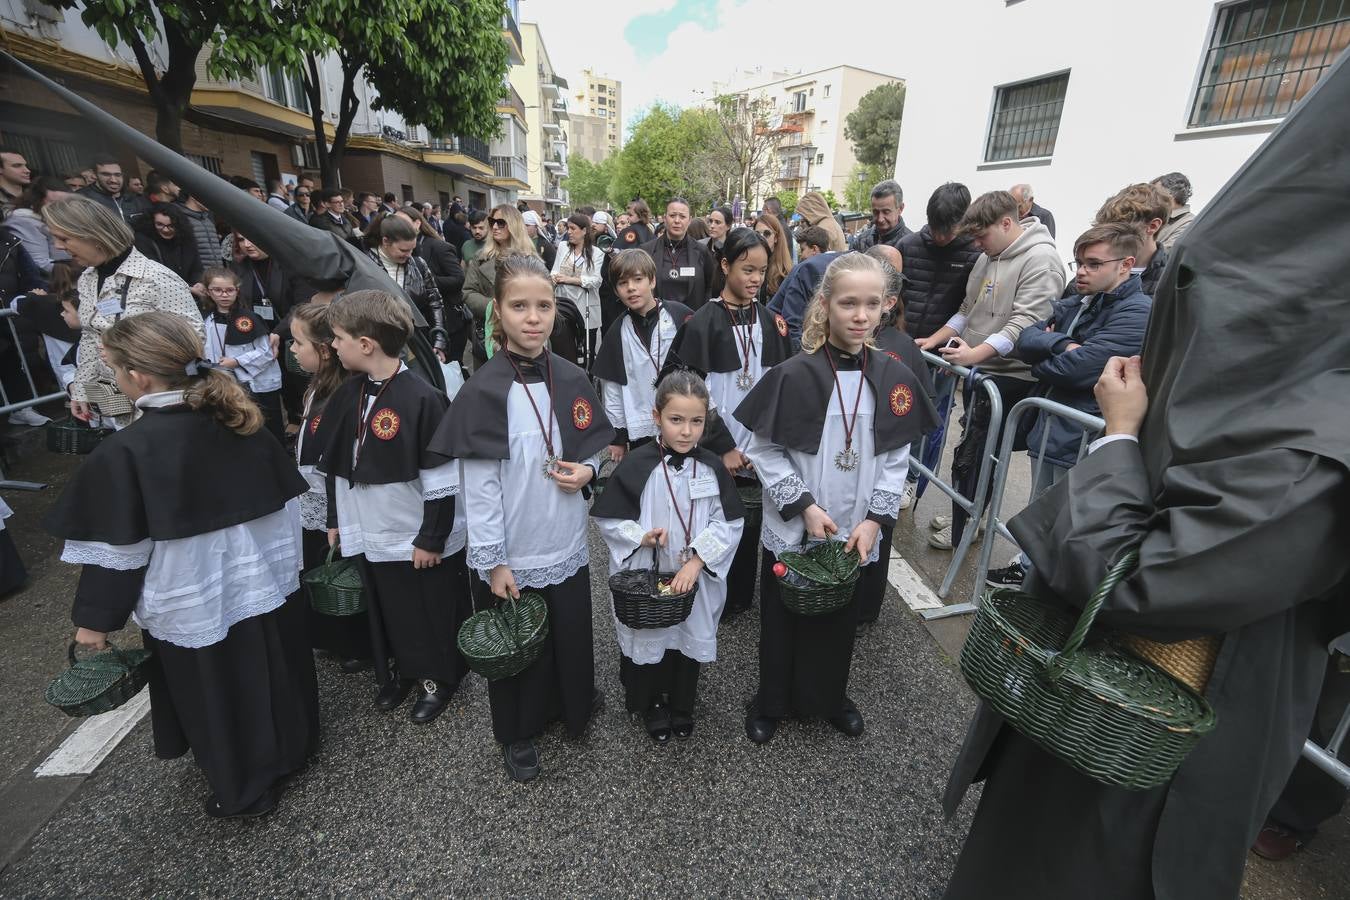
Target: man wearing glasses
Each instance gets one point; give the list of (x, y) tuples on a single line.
[(300, 210), (1106, 317)]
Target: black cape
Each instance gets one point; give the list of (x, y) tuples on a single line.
[(708, 344), (312, 443), (398, 432), (241, 327), (609, 359), (901, 347), (622, 497), (788, 404), (477, 428), (150, 480)]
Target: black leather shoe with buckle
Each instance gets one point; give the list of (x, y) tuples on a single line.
[(393, 693), (657, 720), (435, 696)]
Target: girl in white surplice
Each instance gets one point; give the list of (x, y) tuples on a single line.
[(831, 429), (672, 500)]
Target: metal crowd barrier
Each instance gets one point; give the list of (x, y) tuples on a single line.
[(972, 504), (8, 406), (1326, 758)]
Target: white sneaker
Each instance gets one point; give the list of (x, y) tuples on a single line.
[(907, 498), (942, 539), (940, 522), (27, 416)]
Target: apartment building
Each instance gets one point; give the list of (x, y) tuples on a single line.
[(602, 97), (546, 117)]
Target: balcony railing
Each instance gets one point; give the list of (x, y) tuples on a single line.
[(510, 97), (470, 147), (510, 167), (509, 24), (554, 192)]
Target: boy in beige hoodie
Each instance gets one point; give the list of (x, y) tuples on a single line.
[(1012, 285)]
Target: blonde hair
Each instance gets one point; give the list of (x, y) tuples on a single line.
[(816, 321), (81, 217), (509, 268), (164, 345), (515, 226)]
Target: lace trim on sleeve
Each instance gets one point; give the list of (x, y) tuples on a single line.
[(632, 531), (487, 557), (884, 503), (440, 493), (122, 557), (786, 491)]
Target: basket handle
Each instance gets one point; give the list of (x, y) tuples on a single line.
[(1059, 662), (121, 657), (332, 548)]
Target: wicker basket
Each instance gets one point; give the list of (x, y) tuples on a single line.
[(506, 638), (99, 683), (639, 603), (752, 498), (70, 435), (334, 587), (1105, 712), (819, 580)]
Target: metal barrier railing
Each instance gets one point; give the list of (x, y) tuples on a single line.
[(1325, 758), (974, 504), (8, 406)]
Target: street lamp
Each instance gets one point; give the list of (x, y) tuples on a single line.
[(809, 150)]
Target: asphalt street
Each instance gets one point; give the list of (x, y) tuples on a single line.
[(389, 808)]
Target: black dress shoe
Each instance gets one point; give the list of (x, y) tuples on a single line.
[(522, 761), (657, 720), (393, 693), (432, 703), (760, 729), (681, 723), (352, 666), (260, 807), (850, 721)]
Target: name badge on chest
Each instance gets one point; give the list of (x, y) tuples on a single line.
[(109, 306), (702, 487), (686, 271), (263, 309)]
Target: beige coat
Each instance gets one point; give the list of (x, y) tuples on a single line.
[(816, 211)]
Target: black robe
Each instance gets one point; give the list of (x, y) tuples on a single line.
[(1237, 493), (692, 290), (247, 706)]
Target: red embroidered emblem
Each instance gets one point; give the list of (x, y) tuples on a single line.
[(243, 324), (893, 355), (629, 237), (582, 416), (781, 323), (385, 424), (314, 424), (902, 399)]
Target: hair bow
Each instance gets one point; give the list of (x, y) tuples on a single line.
[(200, 366)]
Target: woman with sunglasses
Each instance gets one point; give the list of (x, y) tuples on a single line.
[(506, 236)]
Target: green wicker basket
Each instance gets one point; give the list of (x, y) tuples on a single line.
[(752, 498), (334, 587), (70, 435), (1106, 713), (504, 639), (819, 580), (99, 683)]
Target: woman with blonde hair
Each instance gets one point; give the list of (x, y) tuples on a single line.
[(506, 236), (780, 254), (118, 282), (188, 521)]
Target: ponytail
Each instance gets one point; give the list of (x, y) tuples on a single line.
[(217, 392)]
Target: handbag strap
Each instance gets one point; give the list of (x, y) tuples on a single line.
[(1059, 662)]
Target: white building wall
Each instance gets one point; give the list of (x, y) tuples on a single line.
[(1125, 110)]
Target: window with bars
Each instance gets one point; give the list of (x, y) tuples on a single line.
[(209, 163), (1025, 122), (1264, 55)]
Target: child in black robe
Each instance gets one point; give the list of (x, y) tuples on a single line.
[(188, 520), (239, 340), (530, 430), (311, 340), (392, 502)]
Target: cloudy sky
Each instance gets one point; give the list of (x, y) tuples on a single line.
[(669, 49)]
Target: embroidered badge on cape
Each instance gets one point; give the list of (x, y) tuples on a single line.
[(243, 324), (314, 424), (893, 355), (384, 424), (582, 415), (902, 399), (781, 323), (629, 237)]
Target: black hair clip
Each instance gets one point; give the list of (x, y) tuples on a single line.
[(201, 366)]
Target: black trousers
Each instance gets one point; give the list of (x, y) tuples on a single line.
[(1312, 796), (744, 565), (561, 682), (803, 660), (969, 457), (346, 637), (415, 616), (675, 677), (872, 581)]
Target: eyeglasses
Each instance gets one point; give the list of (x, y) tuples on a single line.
[(302, 193), (1092, 265), (223, 291), (165, 226), (497, 223), (766, 233)]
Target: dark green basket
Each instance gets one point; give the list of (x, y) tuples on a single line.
[(70, 435), (819, 580), (99, 683), (334, 587), (752, 498), (504, 639), (1106, 713)]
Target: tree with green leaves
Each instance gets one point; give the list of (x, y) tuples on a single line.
[(858, 194), (588, 183), (788, 199), (187, 27), (437, 63), (874, 126), (649, 164)]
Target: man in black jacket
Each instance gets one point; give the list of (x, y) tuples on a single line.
[(107, 189), (684, 267), (888, 220), (331, 214)]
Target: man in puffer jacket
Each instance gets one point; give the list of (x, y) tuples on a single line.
[(938, 259), (1068, 350)]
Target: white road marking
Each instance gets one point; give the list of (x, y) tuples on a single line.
[(910, 586), (97, 736)]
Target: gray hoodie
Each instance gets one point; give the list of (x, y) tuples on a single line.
[(1008, 292)]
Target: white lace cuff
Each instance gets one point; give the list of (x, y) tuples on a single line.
[(710, 548), (775, 543), (439, 493), (546, 575), (437, 482), (632, 531), (884, 503), (122, 557), (486, 558), (786, 491)]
